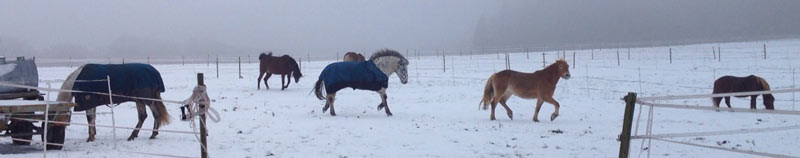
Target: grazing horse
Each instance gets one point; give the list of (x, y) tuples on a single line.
[(366, 75), (283, 65), (353, 56), (134, 80), (730, 84), (537, 85)]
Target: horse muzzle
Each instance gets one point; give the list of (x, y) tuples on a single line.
[(567, 76)]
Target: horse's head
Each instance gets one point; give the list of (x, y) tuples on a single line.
[(390, 61), (769, 102), (562, 69)]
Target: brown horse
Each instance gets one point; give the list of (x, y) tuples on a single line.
[(353, 56), (730, 84), (537, 85), (283, 65)]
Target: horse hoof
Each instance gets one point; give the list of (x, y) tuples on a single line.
[(388, 114), (553, 117), (491, 119), (152, 137), (535, 120), (90, 140), (511, 117), (131, 138)]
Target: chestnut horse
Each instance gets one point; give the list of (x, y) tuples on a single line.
[(353, 56), (730, 84), (284, 66), (537, 85)]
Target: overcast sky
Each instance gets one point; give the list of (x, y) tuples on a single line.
[(82, 28), (147, 27)]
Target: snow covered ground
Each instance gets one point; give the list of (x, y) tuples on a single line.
[(436, 114)]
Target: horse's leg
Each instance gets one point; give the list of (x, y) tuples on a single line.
[(508, 110), (383, 104), (329, 104), (728, 101), (266, 79), (716, 101), (494, 105), (753, 101), (539, 103), (283, 82), (140, 107), (90, 118), (157, 117), (288, 80), (556, 105), (260, 76)]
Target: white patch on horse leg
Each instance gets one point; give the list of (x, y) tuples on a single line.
[(331, 100)]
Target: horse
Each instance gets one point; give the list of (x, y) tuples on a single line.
[(538, 85), (353, 56), (134, 80), (370, 75), (284, 65), (730, 84)]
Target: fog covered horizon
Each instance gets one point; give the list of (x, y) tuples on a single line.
[(100, 29)]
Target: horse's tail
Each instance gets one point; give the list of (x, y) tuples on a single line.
[(488, 92), (295, 69), (318, 89), (262, 56), (159, 107)]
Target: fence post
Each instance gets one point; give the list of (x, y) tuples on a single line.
[(670, 55), (714, 52), (592, 54), (719, 54), (182, 61), (629, 53), (308, 55), (765, 51), (627, 122), (123, 60), (573, 60), (109, 60), (543, 59), (793, 88), (617, 57), (444, 64), (203, 133), (217, 66), (148, 59), (240, 67), (527, 53)]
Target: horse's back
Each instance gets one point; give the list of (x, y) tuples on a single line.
[(139, 80), (360, 75)]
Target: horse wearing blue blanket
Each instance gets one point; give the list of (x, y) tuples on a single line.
[(370, 75), (134, 80)]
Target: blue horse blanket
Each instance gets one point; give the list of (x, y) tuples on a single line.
[(357, 75), (139, 80)]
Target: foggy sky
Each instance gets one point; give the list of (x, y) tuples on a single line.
[(83, 28), (592, 22), (183, 27)]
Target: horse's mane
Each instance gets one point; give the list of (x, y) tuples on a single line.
[(389, 52), (551, 66)]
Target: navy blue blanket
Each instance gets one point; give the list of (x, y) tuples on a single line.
[(140, 80), (357, 75)]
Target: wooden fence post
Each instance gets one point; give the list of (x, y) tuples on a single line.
[(618, 57), (123, 60), (148, 59), (203, 132), (240, 67), (573, 60), (629, 53), (719, 54), (444, 64), (217, 66), (183, 61), (670, 55), (627, 122), (592, 54), (527, 53), (765, 51), (543, 59)]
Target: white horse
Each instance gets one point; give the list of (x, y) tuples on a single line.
[(362, 75)]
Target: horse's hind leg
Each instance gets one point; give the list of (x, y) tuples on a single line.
[(539, 103), (329, 104), (260, 76), (90, 118), (716, 101), (383, 104), (556, 105), (157, 117), (140, 107), (508, 110), (753, 101), (728, 101)]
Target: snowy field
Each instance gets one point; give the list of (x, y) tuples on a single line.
[(436, 114)]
